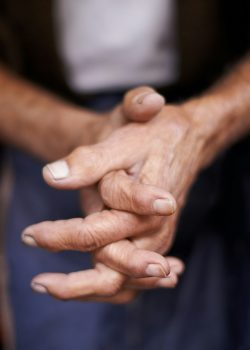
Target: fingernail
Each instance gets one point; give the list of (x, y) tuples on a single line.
[(28, 239), (59, 169), (168, 282), (39, 288), (150, 98), (153, 98), (155, 270), (164, 206)]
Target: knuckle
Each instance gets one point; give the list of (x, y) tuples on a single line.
[(113, 191), (92, 161), (78, 152), (90, 157), (136, 264), (146, 178), (84, 237), (122, 219), (113, 286), (124, 198), (138, 198), (125, 258), (155, 223), (106, 188), (142, 197), (87, 239)]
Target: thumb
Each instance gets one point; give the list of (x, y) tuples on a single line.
[(85, 166), (142, 104)]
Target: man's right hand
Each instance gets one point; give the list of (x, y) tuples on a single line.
[(44, 125), (150, 155)]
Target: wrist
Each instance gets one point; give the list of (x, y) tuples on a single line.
[(207, 119), (181, 134)]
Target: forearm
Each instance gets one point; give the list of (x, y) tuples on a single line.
[(221, 116), (38, 122)]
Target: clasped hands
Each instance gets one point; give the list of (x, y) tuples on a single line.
[(125, 180)]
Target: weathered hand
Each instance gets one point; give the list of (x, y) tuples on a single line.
[(139, 104), (187, 139), (167, 154)]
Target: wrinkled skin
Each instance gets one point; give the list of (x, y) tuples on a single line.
[(162, 153)]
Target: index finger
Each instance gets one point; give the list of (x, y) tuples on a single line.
[(87, 234)]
